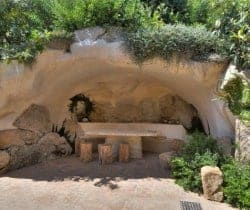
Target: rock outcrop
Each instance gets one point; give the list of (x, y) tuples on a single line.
[(35, 118), (212, 179), (99, 67), (242, 140), (32, 142), (17, 137), (48, 147), (4, 161)]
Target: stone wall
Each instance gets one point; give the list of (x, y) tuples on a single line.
[(242, 141)]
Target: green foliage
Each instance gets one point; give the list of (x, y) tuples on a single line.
[(231, 20), (20, 34), (77, 14), (195, 41), (187, 172), (236, 93), (237, 184), (25, 25), (199, 143)]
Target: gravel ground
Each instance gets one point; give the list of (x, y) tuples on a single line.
[(68, 183)]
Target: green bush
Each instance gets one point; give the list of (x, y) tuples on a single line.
[(195, 41), (230, 19), (187, 172), (22, 32), (78, 14), (200, 150), (237, 184), (199, 143), (236, 94)]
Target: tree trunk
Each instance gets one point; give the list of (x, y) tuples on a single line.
[(105, 153), (86, 151)]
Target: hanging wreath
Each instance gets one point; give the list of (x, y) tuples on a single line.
[(89, 106)]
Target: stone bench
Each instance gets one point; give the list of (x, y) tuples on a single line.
[(131, 133)]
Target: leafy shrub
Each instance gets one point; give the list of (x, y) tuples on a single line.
[(230, 19), (187, 172), (237, 184), (77, 14), (148, 44), (199, 143), (236, 93), (22, 35)]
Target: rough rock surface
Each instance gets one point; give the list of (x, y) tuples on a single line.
[(212, 179), (242, 139), (4, 161), (17, 137), (165, 159), (104, 72), (48, 147), (35, 118), (162, 144)]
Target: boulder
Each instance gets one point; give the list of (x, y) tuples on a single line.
[(50, 146), (4, 161), (212, 179), (52, 143), (165, 159), (35, 118), (17, 137)]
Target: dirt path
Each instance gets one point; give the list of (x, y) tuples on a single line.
[(69, 184)]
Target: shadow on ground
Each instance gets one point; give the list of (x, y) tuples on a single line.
[(71, 168)]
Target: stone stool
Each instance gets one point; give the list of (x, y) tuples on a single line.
[(105, 153), (124, 153), (86, 151), (135, 145)]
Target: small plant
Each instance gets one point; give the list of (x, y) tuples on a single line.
[(199, 143), (197, 42), (61, 130), (236, 186)]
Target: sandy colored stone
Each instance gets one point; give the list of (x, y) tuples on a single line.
[(242, 140), (86, 151), (17, 137), (105, 154), (133, 141), (165, 159), (35, 118), (50, 146), (212, 179), (4, 161), (162, 144), (124, 152), (106, 73)]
